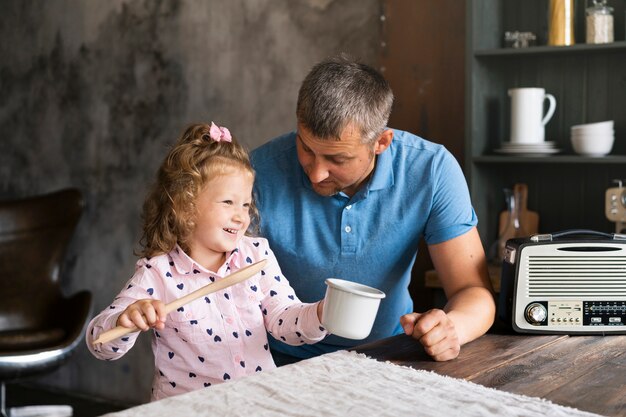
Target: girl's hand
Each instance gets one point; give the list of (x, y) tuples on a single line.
[(320, 310), (143, 314)]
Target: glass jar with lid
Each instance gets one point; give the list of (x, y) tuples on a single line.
[(599, 22)]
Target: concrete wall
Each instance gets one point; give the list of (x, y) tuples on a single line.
[(93, 92)]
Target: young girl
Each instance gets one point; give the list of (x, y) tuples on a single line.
[(195, 220)]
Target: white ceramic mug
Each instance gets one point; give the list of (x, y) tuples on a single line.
[(527, 119), (350, 308)]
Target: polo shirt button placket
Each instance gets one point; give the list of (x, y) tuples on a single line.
[(348, 240)]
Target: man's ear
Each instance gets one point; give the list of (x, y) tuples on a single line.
[(383, 141)]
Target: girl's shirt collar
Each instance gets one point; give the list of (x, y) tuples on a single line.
[(185, 265)]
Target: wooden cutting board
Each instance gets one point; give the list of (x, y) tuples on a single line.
[(529, 220)]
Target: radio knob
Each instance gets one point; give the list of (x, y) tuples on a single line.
[(536, 313)]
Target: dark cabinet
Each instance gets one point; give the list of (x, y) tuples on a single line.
[(589, 83)]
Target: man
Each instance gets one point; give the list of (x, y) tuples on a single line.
[(344, 196)]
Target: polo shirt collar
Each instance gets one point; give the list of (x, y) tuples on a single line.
[(383, 171)]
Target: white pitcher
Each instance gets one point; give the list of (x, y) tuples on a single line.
[(527, 119)]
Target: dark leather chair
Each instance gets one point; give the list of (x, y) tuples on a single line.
[(39, 326)]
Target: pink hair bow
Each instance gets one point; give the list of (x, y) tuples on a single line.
[(219, 133)]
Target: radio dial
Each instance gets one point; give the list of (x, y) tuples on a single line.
[(536, 313)]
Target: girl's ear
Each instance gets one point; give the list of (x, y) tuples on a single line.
[(383, 141)]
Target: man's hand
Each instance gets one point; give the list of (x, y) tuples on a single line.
[(435, 331)]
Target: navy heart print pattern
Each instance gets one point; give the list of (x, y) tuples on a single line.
[(182, 359)]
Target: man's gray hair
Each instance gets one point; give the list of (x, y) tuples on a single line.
[(339, 91)]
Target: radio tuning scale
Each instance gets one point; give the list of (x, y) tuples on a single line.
[(615, 206)]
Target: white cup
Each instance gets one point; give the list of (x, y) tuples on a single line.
[(527, 119), (350, 308)]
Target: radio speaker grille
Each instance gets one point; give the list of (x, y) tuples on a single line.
[(576, 276)]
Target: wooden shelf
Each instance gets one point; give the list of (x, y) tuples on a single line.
[(618, 46), (431, 279), (550, 159)]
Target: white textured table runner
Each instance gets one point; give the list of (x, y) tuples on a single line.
[(349, 384)]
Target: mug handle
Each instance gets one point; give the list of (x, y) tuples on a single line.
[(551, 109)]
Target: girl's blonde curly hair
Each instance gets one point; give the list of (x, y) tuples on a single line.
[(169, 211)]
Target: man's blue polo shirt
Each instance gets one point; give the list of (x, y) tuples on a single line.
[(417, 189)]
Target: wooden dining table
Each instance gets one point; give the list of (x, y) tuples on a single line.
[(583, 372)]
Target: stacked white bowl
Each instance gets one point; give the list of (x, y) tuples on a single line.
[(593, 139)]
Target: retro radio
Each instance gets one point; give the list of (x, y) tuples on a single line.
[(570, 282)]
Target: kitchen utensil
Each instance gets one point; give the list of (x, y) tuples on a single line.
[(615, 206), (234, 278), (350, 308), (561, 22), (601, 127), (527, 119), (597, 145), (519, 221)]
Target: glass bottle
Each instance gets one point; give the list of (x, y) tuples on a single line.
[(513, 226), (561, 23), (599, 22)]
